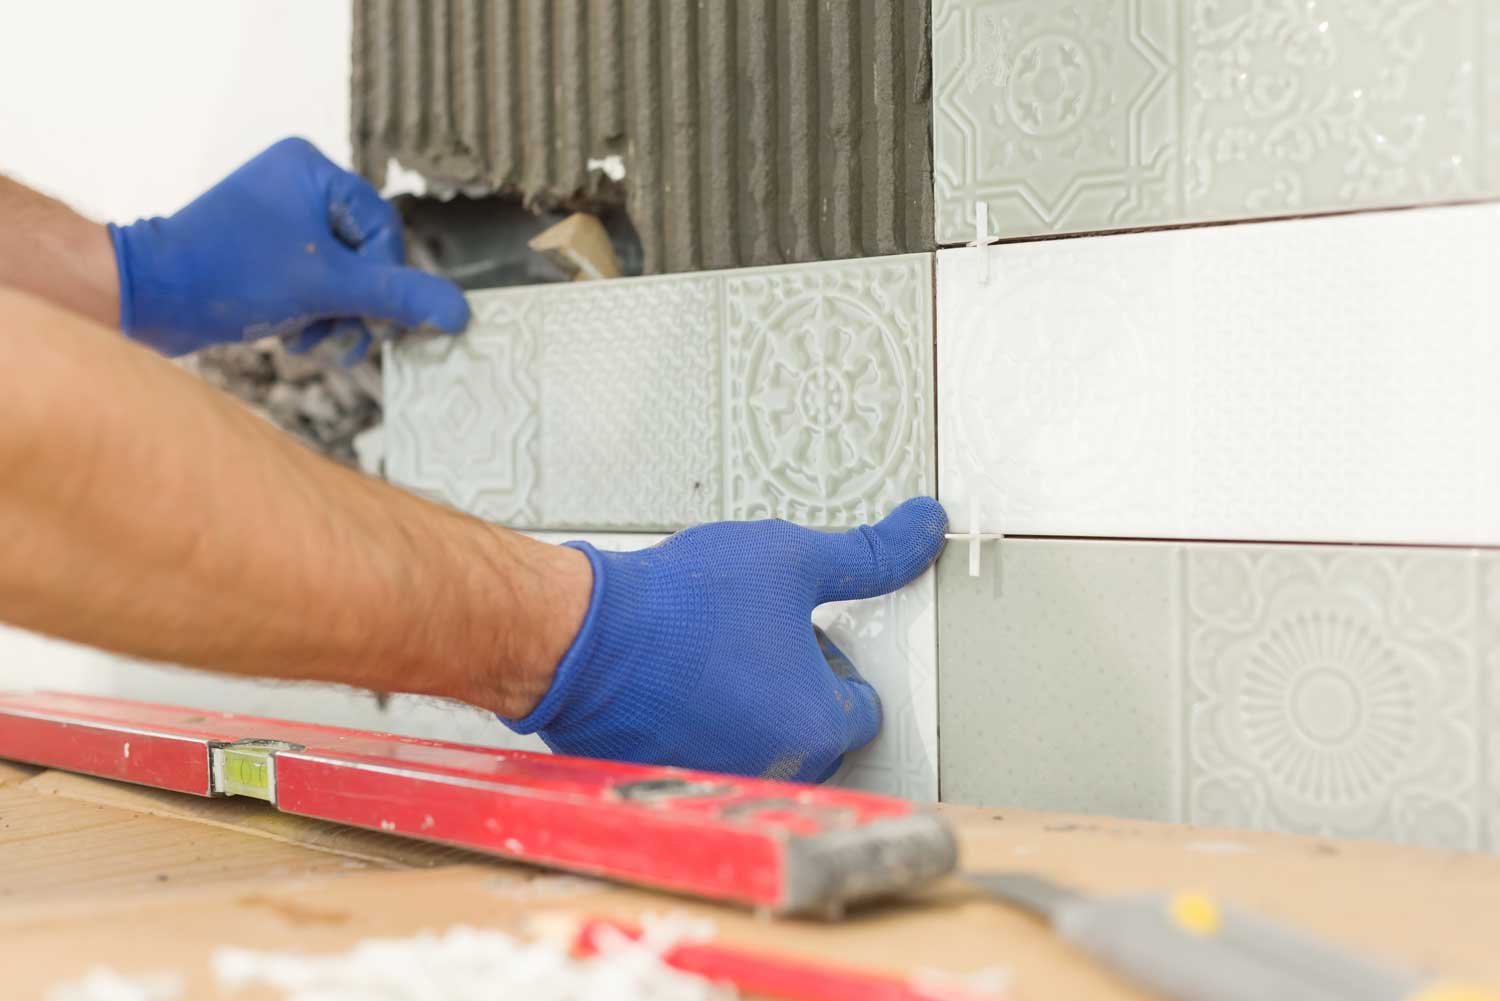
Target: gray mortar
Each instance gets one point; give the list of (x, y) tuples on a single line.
[(753, 131), (311, 396)]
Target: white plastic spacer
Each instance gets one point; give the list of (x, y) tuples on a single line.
[(981, 243), (975, 538)]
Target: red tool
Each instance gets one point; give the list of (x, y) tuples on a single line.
[(768, 975), (782, 846)]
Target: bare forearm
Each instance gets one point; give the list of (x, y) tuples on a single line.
[(56, 254), (147, 513)]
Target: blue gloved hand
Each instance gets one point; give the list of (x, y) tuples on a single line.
[(288, 244), (700, 652)]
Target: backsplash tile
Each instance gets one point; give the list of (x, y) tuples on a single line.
[(1111, 114), (1317, 689), (802, 392), (1315, 379)]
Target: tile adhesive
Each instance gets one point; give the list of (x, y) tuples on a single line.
[(740, 134)]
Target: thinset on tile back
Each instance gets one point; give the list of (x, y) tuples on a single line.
[(1328, 690), (1117, 114), (1327, 379), (737, 134), (802, 392)]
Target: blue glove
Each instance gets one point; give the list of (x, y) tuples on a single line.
[(700, 652), (288, 244)]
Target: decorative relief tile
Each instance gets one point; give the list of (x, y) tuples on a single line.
[(630, 403), (1317, 379), (1315, 689), (802, 392), (1333, 692), (461, 413), (829, 413), (1110, 114)]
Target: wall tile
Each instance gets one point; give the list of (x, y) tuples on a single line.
[(1316, 689), (802, 392), (1489, 722), (893, 642), (1112, 114), (1058, 678), (1317, 379)]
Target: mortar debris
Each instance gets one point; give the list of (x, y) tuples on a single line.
[(103, 984), (312, 396), (470, 964)]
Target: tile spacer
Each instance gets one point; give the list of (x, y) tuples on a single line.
[(975, 538), (981, 242)]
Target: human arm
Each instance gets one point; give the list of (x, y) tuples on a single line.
[(288, 245), (52, 252), (146, 512)]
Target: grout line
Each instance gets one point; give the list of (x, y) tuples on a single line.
[(1455, 546), (1227, 223)]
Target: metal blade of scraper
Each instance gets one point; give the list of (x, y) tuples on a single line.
[(780, 846)]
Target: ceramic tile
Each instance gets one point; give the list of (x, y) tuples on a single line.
[(893, 642), (1317, 379), (1112, 114), (1490, 713), (1324, 690), (802, 392)]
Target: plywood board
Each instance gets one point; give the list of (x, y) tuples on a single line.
[(1435, 910)]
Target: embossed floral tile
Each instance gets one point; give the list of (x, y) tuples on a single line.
[(1326, 380), (802, 392), (1323, 690), (1079, 115)]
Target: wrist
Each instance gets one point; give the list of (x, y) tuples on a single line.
[(548, 593)]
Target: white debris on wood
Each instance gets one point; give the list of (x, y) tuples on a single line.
[(102, 984), (990, 982), (471, 964)]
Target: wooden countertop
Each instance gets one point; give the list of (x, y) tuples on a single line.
[(93, 873)]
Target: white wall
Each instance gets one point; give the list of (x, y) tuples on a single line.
[(131, 109)]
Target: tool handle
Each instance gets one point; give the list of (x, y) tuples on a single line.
[(1186, 949)]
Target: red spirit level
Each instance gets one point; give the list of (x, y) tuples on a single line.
[(782, 846)]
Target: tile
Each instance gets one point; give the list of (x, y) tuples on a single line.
[(1323, 690), (1490, 711), (1113, 114), (1316, 379), (802, 392), (738, 134), (893, 642), (1057, 679)]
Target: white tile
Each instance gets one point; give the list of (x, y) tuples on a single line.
[(650, 404), (1317, 379), (893, 642), (1110, 114), (1326, 690)]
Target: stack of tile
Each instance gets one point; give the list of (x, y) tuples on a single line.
[(1254, 466)]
